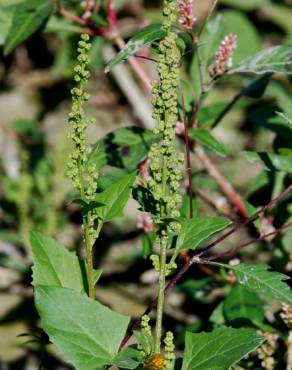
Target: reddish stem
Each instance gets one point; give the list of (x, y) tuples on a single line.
[(111, 15), (225, 186), (233, 251), (188, 154)]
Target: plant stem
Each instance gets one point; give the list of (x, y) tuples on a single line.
[(160, 295), (162, 272), (89, 258), (188, 154), (87, 240)]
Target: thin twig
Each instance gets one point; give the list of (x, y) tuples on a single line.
[(247, 221), (224, 185), (233, 251), (188, 154)]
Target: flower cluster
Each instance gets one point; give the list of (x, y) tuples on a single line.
[(286, 315), (186, 17), (83, 177), (165, 162), (169, 351), (223, 57), (267, 350), (77, 119)]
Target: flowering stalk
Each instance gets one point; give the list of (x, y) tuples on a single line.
[(165, 162), (186, 17), (84, 179), (223, 57)]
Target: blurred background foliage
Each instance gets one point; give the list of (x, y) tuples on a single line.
[(35, 82)]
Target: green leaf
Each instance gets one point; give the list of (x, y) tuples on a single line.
[(6, 14), (109, 179), (277, 59), (28, 17), (128, 358), (86, 333), (115, 198), (53, 264), (204, 137), (122, 148), (270, 161), (143, 37), (259, 279), (217, 316), (194, 231), (241, 303), (219, 349)]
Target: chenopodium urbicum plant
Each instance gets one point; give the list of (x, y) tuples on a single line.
[(89, 335)]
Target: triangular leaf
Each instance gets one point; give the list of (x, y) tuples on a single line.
[(28, 17), (219, 349), (194, 231), (86, 333), (53, 264), (143, 37), (259, 279)]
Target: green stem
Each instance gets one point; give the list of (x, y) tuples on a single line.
[(162, 272), (160, 296), (89, 259), (87, 241)]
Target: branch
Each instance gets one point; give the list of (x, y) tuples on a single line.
[(233, 251), (247, 221), (224, 185), (188, 154)]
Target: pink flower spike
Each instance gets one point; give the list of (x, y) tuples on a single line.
[(186, 19), (223, 57), (145, 222)]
